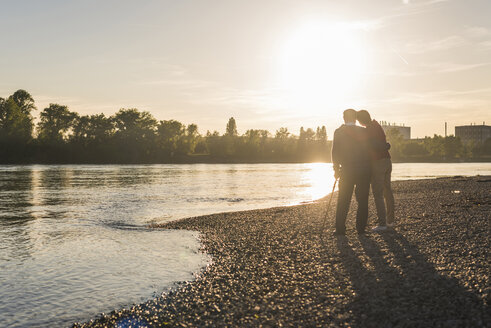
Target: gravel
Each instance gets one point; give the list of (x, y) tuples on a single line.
[(275, 267)]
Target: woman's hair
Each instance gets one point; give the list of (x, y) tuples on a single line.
[(363, 117)]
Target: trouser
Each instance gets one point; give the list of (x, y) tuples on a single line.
[(381, 171), (359, 180)]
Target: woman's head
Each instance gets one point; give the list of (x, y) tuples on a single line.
[(363, 117)]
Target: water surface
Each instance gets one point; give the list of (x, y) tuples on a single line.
[(74, 239)]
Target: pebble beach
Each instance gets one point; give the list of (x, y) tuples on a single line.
[(278, 267)]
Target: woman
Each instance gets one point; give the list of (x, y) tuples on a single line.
[(381, 170)]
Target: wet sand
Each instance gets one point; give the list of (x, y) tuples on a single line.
[(277, 267)]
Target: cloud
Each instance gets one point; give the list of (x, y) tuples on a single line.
[(477, 32), (178, 79), (423, 3), (261, 101), (481, 36), (423, 111), (393, 73), (183, 84), (466, 37), (409, 8), (391, 15), (43, 100), (450, 99), (446, 43), (366, 25), (485, 44), (449, 67), (429, 68)]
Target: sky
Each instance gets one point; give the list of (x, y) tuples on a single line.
[(267, 63)]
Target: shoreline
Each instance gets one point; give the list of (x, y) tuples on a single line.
[(273, 267)]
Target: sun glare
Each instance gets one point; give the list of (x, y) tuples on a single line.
[(320, 178), (322, 64)]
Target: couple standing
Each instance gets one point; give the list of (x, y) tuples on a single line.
[(360, 158)]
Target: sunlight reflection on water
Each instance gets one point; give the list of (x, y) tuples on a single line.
[(319, 179)]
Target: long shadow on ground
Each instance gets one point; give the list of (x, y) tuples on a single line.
[(394, 285)]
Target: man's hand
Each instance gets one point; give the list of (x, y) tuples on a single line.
[(337, 172)]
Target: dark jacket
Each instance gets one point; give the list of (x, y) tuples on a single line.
[(377, 141), (350, 148)]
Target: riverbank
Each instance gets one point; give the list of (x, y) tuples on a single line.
[(273, 267)]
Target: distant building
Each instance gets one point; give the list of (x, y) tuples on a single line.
[(405, 131), (473, 133)]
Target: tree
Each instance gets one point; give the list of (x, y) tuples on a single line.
[(134, 137), (92, 139), (16, 121), (282, 133), (15, 125), (284, 144), (414, 149), (434, 146), (231, 128), (80, 127), (192, 136), (453, 147), (15, 132), (133, 123), (24, 100), (306, 135), (302, 134), (56, 121), (253, 144), (321, 134), (100, 127), (480, 150), (396, 140), (216, 145), (94, 128), (170, 134)]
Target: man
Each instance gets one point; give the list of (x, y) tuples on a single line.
[(381, 170), (351, 163)]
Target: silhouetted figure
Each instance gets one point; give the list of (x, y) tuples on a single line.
[(351, 163), (381, 170)]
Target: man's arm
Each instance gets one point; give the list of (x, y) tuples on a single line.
[(379, 145), (335, 154), (378, 140)]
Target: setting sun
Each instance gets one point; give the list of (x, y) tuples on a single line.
[(322, 63)]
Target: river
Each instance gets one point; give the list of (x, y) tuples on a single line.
[(74, 239)]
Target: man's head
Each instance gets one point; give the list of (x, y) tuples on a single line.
[(349, 116), (363, 117)]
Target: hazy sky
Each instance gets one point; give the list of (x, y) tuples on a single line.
[(268, 63)]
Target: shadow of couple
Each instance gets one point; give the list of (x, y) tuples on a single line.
[(391, 283)]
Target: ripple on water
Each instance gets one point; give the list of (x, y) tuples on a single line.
[(93, 273)]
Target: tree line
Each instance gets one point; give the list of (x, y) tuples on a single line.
[(133, 136), (436, 149)]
